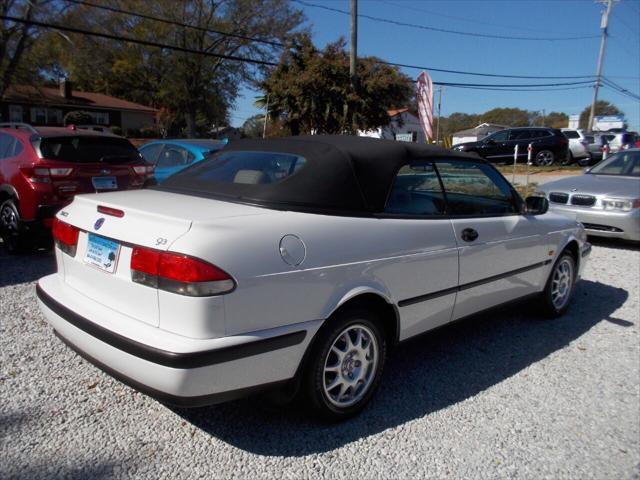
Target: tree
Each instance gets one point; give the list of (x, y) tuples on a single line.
[(557, 120), (78, 117), (310, 90), (197, 90), (512, 117), (602, 108), (253, 126), (17, 39)]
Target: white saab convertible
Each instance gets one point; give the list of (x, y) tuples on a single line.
[(297, 262)]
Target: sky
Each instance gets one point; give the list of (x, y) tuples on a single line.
[(515, 18)]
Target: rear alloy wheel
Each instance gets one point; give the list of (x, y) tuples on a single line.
[(568, 160), (545, 158), (585, 162), (345, 365), (560, 285), (10, 227)]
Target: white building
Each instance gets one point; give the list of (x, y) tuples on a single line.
[(476, 133), (404, 126)]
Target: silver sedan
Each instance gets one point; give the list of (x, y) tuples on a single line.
[(606, 199)]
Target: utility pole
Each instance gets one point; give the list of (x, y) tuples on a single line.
[(266, 118), (353, 55), (604, 23), (438, 124)]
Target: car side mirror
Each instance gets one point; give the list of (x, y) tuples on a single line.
[(537, 205)]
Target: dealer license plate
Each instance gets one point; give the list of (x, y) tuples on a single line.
[(102, 253), (104, 183)]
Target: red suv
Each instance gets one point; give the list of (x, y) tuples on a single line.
[(42, 168)]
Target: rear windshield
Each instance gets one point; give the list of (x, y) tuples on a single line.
[(86, 149), (571, 134), (248, 168)]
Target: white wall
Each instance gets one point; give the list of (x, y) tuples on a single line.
[(457, 140), (410, 123)]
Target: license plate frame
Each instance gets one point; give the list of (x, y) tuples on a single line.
[(104, 183), (102, 253)]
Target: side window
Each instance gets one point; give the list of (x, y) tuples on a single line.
[(501, 136), (475, 189), (6, 145), (520, 134), (173, 156), (150, 152), (541, 133), (416, 191)]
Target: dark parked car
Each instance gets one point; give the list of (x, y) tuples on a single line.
[(550, 145), (41, 169)]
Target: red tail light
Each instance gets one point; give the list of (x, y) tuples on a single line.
[(114, 212), (65, 236), (44, 174), (178, 273)]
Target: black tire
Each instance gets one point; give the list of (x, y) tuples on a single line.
[(316, 378), (545, 158), (550, 306), (11, 228), (586, 161), (568, 160)]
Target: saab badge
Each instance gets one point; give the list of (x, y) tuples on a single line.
[(98, 224)]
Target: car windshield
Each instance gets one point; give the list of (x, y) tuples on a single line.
[(625, 163), (89, 149)]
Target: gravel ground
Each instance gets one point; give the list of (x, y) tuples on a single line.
[(504, 394)]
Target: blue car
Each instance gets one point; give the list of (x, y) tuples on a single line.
[(171, 156)]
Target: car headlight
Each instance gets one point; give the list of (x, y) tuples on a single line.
[(620, 204)]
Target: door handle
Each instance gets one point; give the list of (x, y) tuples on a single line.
[(469, 234)]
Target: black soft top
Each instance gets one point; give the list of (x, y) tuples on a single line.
[(341, 173)]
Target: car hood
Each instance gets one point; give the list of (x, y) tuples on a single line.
[(612, 185)]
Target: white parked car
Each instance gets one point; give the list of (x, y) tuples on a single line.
[(297, 262)]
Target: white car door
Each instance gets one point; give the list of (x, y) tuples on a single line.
[(502, 253), (426, 281)]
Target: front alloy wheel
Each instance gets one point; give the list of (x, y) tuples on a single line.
[(560, 285), (345, 364), (10, 226)]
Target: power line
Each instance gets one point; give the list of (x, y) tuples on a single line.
[(498, 89), (254, 61), (458, 72), (467, 19), (497, 75), (135, 41), (620, 89), (442, 30), (173, 22)]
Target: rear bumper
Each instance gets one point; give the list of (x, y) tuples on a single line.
[(194, 372)]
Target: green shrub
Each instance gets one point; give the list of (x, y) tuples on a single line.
[(78, 117)]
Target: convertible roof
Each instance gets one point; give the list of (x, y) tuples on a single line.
[(345, 173)]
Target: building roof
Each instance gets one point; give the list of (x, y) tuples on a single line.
[(393, 113), (51, 96), (341, 174), (482, 129)]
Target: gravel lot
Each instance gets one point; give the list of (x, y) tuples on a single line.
[(504, 394)]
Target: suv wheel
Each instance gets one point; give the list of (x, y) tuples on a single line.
[(586, 161), (10, 227), (345, 365), (568, 160), (545, 158)]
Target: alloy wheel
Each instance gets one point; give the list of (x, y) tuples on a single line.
[(562, 283), (544, 158), (350, 366)]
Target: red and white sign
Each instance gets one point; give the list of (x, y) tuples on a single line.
[(425, 103)]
